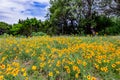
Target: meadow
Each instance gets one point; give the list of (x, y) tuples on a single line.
[(60, 58)]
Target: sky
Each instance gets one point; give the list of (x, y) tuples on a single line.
[(13, 10)]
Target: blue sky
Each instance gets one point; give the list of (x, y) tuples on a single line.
[(13, 10)]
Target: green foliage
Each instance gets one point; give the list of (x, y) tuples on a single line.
[(26, 27), (115, 29), (66, 17), (60, 14), (4, 28), (38, 34), (102, 23), (49, 28), (79, 17), (5, 35), (32, 27), (16, 28)]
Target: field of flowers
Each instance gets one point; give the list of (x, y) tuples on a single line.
[(60, 58)]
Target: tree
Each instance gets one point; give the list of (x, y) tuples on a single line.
[(61, 16), (68, 15), (117, 8), (111, 7), (79, 16), (26, 27), (16, 29), (4, 27), (88, 15)]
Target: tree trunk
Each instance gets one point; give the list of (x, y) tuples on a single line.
[(89, 17), (93, 31)]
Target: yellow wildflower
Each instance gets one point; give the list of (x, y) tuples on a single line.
[(23, 69), (2, 66), (68, 70), (57, 71), (50, 74), (15, 72), (58, 63), (93, 78), (75, 68), (24, 74), (113, 65), (76, 75), (79, 61), (42, 65), (34, 67), (1, 77), (88, 77)]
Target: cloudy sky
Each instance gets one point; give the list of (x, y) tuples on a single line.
[(13, 10)]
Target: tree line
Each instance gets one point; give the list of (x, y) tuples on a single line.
[(66, 17)]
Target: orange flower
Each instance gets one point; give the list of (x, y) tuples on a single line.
[(1, 77), (2, 66)]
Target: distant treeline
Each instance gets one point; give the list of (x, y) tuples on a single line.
[(66, 17)]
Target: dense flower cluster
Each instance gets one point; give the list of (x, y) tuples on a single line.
[(60, 58)]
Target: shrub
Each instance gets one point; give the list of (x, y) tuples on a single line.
[(38, 34), (5, 35), (115, 28)]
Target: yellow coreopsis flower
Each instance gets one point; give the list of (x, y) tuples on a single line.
[(57, 71), (104, 69), (76, 75), (84, 63), (50, 74), (24, 74), (88, 77), (3, 59), (58, 63), (15, 72), (16, 64), (8, 70), (79, 61), (68, 70), (42, 65), (118, 62), (96, 66), (26, 78), (34, 67), (75, 68), (1, 77), (23, 69), (113, 65), (93, 78), (27, 50), (2, 66)]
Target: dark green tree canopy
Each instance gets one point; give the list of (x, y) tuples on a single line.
[(4, 27), (68, 17)]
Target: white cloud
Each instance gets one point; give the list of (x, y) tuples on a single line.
[(13, 10)]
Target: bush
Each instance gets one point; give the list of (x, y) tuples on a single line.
[(4, 28), (38, 34), (5, 35), (115, 29)]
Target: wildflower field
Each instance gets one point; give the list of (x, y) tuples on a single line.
[(60, 58)]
